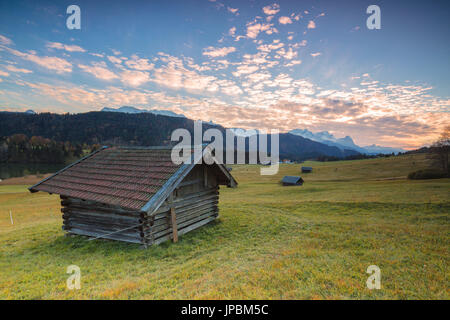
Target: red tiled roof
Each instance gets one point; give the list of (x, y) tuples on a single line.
[(127, 177)]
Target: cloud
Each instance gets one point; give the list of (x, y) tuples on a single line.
[(271, 9), (114, 59), (97, 55), (245, 92), (21, 70), (139, 64), (254, 28), (60, 46), (52, 63), (234, 11), (287, 54), (6, 41), (176, 76), (218, 52), (284, 20), (245, 69), (275, 45), (311, 25), (134, 78), (293, 63), (99, 70)]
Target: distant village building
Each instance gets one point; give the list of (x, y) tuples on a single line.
[(137, 195), (307, 169), (292, 181)]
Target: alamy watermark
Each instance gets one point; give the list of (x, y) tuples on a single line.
[(374, 280), (74, 20), (74, 280), (245, 147), (374, 20)]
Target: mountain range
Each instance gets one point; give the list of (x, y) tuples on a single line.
[(133, 110), (343, 143), (141, 129)]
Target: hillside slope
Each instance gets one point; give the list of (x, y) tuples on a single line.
[(142, 129)]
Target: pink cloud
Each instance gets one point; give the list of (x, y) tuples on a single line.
[(284, 20), (271, 9), (99, 70), (21, 70), (52, 63), (254, 28), (69, 48), (233, 11), (218, 52), (6, 41), (311, 25), (134, 78)]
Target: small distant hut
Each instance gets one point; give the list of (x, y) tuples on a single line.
[(307, 169), (137, 195), (292, 181)]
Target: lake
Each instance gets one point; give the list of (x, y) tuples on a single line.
[(12, 170)]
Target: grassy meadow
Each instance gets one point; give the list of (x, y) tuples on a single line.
[(271, 242)]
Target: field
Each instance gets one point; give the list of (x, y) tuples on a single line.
[(271, 242)]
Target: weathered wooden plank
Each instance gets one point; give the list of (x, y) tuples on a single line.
[(173, 219), (174, 225), (186, 199), (184, 217), (186, 210), (79, 204), (185, 230), (156, 235), (102, 227), (100, 216), (111, 237), (181, 205)]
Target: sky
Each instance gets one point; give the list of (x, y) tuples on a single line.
[(244, 64)]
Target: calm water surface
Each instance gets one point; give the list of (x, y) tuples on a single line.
[(20, 170)]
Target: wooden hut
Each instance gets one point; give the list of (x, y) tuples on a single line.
[(292, 181), (307, 169), (137, 195)]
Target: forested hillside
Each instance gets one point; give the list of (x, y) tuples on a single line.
[(144, 129)]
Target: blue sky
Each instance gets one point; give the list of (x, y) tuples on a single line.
[(249, 64)]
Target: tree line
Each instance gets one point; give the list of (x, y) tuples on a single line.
[(19, 148)]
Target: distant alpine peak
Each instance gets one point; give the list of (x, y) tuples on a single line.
[(129, 109), (29, 111), (243, 132), (342, 143)]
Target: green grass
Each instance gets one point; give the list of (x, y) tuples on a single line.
[(271, 242)]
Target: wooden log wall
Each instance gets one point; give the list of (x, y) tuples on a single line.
[(194, 202), (93, 219), (192, 211)]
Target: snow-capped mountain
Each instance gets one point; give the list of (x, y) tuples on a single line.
[(374, 149), (243, 132), (342, 143), (127, 109)]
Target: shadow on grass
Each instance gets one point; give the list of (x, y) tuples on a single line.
[(79, 246)]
